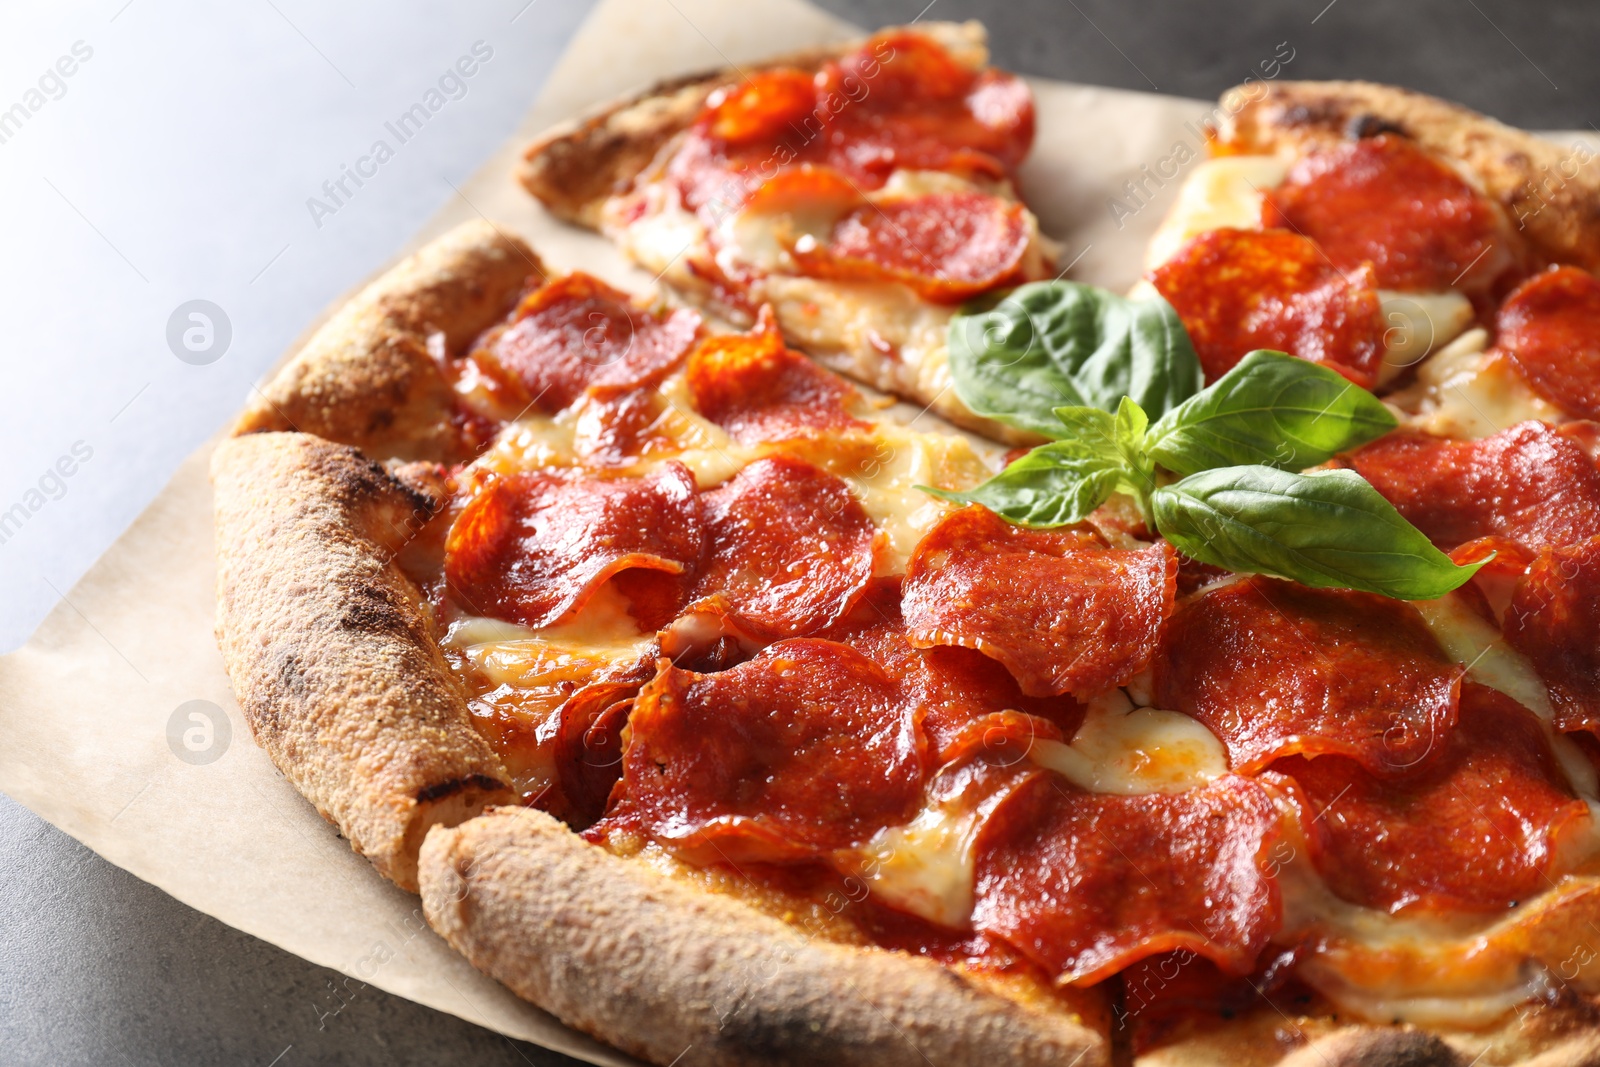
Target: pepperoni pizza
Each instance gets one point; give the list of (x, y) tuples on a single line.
[(724, 713)]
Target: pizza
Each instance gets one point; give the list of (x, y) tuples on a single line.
[(1219, 684)]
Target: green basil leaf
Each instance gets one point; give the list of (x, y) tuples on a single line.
[(1054, 344), (1328, 529), (1055, 484), (1270, 408)]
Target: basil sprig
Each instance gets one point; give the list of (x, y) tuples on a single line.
[(1240, 442), (1054, 344)]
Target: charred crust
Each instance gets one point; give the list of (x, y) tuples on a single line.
[(330, 651), (1362, 127), (459, 785)]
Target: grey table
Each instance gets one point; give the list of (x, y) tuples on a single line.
[(98, 967)]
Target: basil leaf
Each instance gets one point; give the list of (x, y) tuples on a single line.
[(1051, 344), (1270, 408), (1055, 484), (1328, 529)]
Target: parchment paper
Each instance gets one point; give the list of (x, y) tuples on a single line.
[(98, 733)]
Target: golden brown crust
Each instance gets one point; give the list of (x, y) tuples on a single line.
[(367, 377), (329, 650), (674, 974), (576, 166), (1550, 192)]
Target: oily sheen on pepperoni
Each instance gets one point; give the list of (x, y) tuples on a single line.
[(532, 547), (1273, 669), (1239, 290), (804, 749), (1085, 884), (1554, 620), (947, 246), (1385, 201), (1479, 828), (951, 688), (1550, 327), (899, 102), (1531, 484), (789, 549), (758, 389), (577, 331), (1061, 611)]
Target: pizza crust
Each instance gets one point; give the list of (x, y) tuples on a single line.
[(1550, 192), (368, 378), (674, 974), (329, 649)]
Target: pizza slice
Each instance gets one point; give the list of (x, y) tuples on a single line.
[(862, 192)]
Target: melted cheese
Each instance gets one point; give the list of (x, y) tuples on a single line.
[(885, 473), (1477, 644), (1416, 324), (1474, 642), (1131, 751), (1225, 192), (1464, 391), (928, 866), (601, 634)]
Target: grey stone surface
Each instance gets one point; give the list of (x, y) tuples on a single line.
[(97, 967)]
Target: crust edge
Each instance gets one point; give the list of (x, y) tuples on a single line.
[(370, 376), (663, 970), (328, 649)]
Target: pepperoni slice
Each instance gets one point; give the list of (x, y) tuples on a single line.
[(1385, 201), (1085, 884), (1531, 484), (1480, 828), (615, 426), (1273, 668), (1554, 620), (1062, 612), (1239, 290), (759, 390), (1550, 327), (789, 549), (900, 102), (577, 331), (947, 246), (533, 547), (952, 688), (588, 743), (761, 107), (804, 749)]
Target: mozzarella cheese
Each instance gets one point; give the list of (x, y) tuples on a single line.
[(928, 866), (1131, 751), (1221, 193), (1464, 391)]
